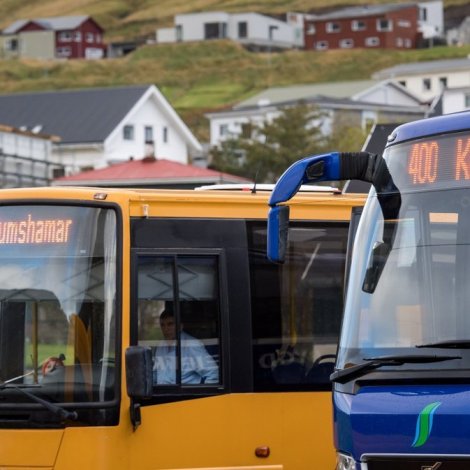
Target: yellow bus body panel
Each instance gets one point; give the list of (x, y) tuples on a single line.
[(220, 432)]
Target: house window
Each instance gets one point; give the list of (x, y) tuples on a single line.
[(11, 44), (179, 32), (311, 29), (128, 132), (346, 43), (64, 52), (321, 45), (332, 27), (467, 100), (165, 135), (384, 25), (98, 38), (179, 310), (402, 83), (423, 13), (426, 84), (408, 43), (443, 82), (89, 37), (65, 36), (372, 41), (242, 29), (148, 132), (215, 30), (404, 24), (399, 42), (223, 130), (358, 25), (77, 36), (247, 130)]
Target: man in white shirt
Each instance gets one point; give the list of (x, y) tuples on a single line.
[(197, 365)]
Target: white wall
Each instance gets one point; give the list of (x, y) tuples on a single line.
[(166, 35), (414, 83), (25, 146), (149, 114), (453, 101), (386, 94), (259, 29), (433, 25), (193, 24)]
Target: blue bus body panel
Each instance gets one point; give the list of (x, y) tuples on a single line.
[(431, 126), (403, 420)]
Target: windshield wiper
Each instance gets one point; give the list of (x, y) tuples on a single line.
[(56, 410), (451, 344), (345, 375)]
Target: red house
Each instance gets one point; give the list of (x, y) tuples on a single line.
[(69, 37), (374, 26)]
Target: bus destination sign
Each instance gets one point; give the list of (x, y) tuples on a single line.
[(31, 230), (439, 160)]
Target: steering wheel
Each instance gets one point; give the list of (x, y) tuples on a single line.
[(324, 357)]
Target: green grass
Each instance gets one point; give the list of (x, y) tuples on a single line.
[(201, 77), (125, 19)]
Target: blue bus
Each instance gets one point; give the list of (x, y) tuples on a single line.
[(402, 375)]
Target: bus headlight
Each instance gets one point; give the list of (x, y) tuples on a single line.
[(344, 462)]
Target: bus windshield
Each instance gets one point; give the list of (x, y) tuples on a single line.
[(408, 285), (57, 304)]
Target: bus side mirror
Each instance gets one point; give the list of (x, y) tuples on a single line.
[(139, 372), (278, 222)]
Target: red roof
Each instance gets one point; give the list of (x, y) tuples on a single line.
[(148, 172)]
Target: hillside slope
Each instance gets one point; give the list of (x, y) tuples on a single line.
[(129, 19), (197, 78)]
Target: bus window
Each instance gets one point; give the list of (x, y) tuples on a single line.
[(297, 307), (178, 310)]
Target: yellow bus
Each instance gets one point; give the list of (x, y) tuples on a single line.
[(234, 374)]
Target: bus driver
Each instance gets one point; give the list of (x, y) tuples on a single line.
[(197, 365)]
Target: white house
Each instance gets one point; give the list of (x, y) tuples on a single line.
[(101, 126), (364, 102), (455, 100), (431, 19), (428, 79), (249, 29)]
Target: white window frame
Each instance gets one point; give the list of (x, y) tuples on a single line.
[(372, 41), (399, 42), (128, 132), (77, 36), (427, 84), (321, 45), (404, 24), (346, 43), (466, 98), (311, 30), (65, 36), (358, 25), (89, 37), (333, 27), (384, 29), (64, 51)]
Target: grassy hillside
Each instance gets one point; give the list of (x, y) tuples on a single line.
[(200, 77), (195, 78), (124, 19)]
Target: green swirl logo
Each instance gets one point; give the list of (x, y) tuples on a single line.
[(424, 424)]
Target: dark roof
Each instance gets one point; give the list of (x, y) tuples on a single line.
[(58, 23), (364, 11), (375, 144), (87, 115)]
